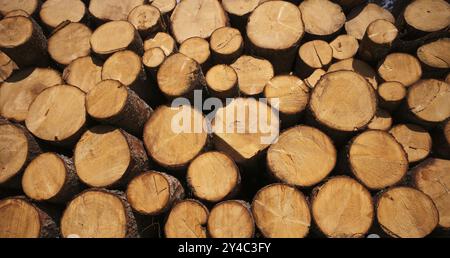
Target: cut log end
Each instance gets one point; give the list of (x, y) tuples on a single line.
[(106, 100), (113, 10), (360, 67), (231, 219), (29, 6), (381, 121), (391, 94), (115, 36), (313, 55), (415, 140), (15, 31), (55, 12), (146, 19), (435, 55), (227, 44), (344, 46), (163, 41), (253, 74), (322, 17), (222, 81), (359, 20), (400, 67), (14, 150), (197, 49), (153, 58), (428, 16), (187, 219), (84, 73)]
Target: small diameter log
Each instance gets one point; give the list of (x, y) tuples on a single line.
[(193, 18), (51, 177), (359, 19), (316, 54), (431, 177), (435, 55), (146, 19), (7, 67), (187, 219), (69, 42), (166, 8), (426, 16), (283, 21), (22, 219), (441, 140), (404, 212), (342, 208), (180, 76), (323, 19), (378, 40), (152, 59), (415, 140), (281, 211), (197, 49), (31, 7), (99, 213), (357, 66), (163, 41), (222, 82), (227, 45), (154, 193), (113, 103), (391, 94), (312, 80), (303, 156), (83, 73), (253, 74), (400, 67), (381, 121), (55, 12), (112, 10), (58, 115), (231, 219), (344, 47), (116, 36), (173, 147), (213, 177), (239, 11), (376, 159), (23, 41), (245, 136), (289, 95), (17, 148), (17, 94), (109, 157)]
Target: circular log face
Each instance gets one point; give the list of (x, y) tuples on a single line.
[(161, 40), (357, 66), (340, 87), (29, 6), (275, 25), (113, 10), (290, 91), (435, 54), (197, 18), (187, 219), (240, 7), (415, 140), (342, 208), (112, 37), (44, 177), (95, 214), (357, 25), (377, 159), (124, 66), (428, 15), (382, 32), (221, 78), (55, 12), (392, 91), (196, 48), (153, 57), (253, 74), (15, 31), (344, 46), (102, 156), (226, 41), (281, 211), (303, 156), (407, 213), (13, 151), (322, 17), (400, 67), (316, 53), (84, 73), (164, 6), (144, 17), (381, 121), (231, 219), (106, 100), (19, 219)]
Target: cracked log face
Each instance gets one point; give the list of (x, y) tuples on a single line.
[(84, 73), (163, 41), (281, 211), (435, 54), (227, 44), (187, 219), (113, 10), (322, 17), (432, 177), (313, 55), (428, 15), (55, 12), (360, 67), (415, 140), (400, 67), (406, 213), (359, 20), (222, 81), (342, 208), (231, 219), (344, 46), (253, 74)]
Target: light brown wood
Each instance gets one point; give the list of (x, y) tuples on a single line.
[(281, 211), (391, 95), (340, 87), (213, 176), (400, 67), (381, 121), (378, 40), (316, 54), (427, 15), (359, 20), (376, 159), (322, 18), (253, 74), (114, 10), (165, 7), (222, 81), (29, 6), (18, 12), (435, 55), (231, 219), (163, 41), (197, 49), (17, 95), (227, 45), (315, 76), (415, 140), (187, 219), (357, 66), (152, 59), (342, 208), (344, 46), (166, 145), (146, 19), (154, 193), (55, 12), (7, 67), (303, 156), (432, 177), (406, 213), (83, 73), (197, 18)]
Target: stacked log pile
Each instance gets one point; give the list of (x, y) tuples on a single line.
[(355, 141)]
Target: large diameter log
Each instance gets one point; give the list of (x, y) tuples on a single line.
[(404, 212), (83, 73), (239, 11), (113, 10), (58, 115), (69, 42), (416, 141), (23, 41), (328, 23), (51, 177), (432, 178), (222, 82), (378, 40), (253, 74), (342, 208), (213, 177), (441, 140), (163, 41), (154, 193), (381, 121), (360, 67), (7, 67), (31, 7), (170, 146), (17, 94), (54, 12), (22, 219), (231, 219), (359, 19), (99, 213), (187, 219), (283, 21), (344, 47), (426, 16), (109, 157), (192, 18), (227, 45), (400, 67), (197, 49), (376, 159), (281, 211), (146, 19), (114, 103), (391, 94), (312, 55), (435, 55)]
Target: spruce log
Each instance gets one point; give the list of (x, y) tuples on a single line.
[(400, 67), (231, 219), (83, 73), (163, 41), (415, 140), (435, 56), (222, 82), (152, 59), (441, 140), (381, 121), (360, 18), (187, 219), (378, 40), (357, 66), (425, 16), (112, 10), (239, 11), (344, 47), (55, 12), (253, 74), (391, 94), (166, 8), (227, 45), (7, 67), (316, 54), (146, 19), (197, 49), (31, 7)]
